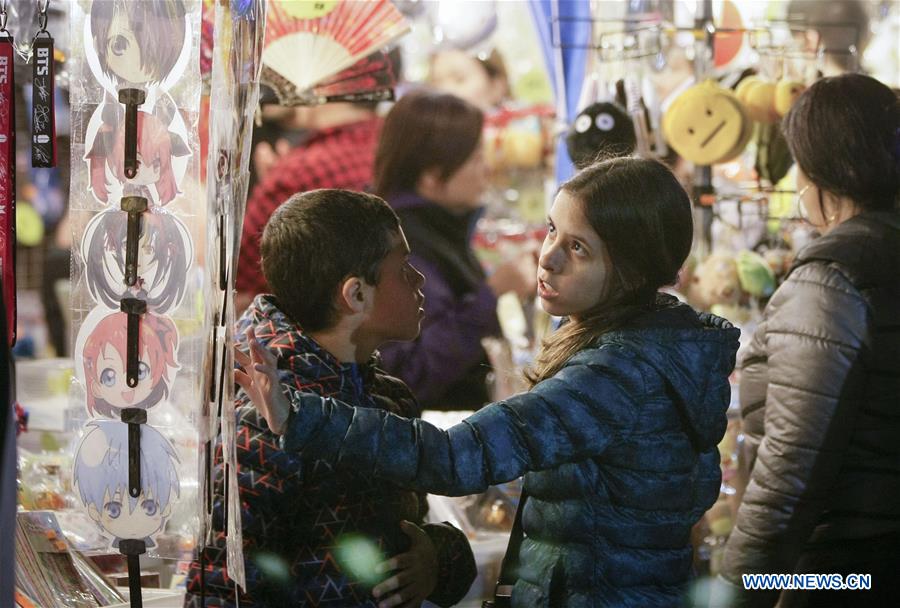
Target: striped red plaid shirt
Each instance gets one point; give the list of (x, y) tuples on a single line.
[(337, 157)]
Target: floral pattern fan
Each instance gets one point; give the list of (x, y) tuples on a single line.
[(317, 52)]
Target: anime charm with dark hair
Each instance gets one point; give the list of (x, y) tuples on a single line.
[(138, 43), (165, 255)]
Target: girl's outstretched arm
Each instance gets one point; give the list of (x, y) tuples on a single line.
[(570, 417)]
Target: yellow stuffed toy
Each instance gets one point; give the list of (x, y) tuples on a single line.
[(707, 124)]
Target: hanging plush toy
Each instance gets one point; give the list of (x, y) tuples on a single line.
[(755, 275), (707, 124), (758, 96), (786, 93), (602, 128), (766, 103), (715, 281), (725, 283)]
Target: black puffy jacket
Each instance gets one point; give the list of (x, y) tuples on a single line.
[(820, 399)]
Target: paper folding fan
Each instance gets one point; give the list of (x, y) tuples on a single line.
[(308, 43)]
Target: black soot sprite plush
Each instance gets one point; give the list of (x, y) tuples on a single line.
[(601, 129)]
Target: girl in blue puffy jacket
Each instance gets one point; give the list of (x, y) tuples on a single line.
[(616, 438)]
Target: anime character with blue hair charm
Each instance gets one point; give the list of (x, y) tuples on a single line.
[(101, 477)]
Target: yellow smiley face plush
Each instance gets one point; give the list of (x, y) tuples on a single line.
[(707, 124)]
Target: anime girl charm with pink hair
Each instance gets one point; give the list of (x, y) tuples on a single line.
[(162, 157)]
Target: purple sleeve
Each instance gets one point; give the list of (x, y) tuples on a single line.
[(450, 341)]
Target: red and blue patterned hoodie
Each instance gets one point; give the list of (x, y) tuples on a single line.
[(296, 513)]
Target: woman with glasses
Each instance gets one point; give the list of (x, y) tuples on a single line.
[(820, 384)]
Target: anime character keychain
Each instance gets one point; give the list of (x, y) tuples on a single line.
[(104, 346), (143, 45), (101, 477), (7, 174), (43, 120), (164, 250), (161, 154)]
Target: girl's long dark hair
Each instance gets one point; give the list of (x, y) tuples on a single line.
[(643, 216)]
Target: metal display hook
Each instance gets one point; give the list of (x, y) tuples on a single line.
[(4, 16)]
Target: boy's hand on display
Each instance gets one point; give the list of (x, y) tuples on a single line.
[(258, 377), (415, 572)]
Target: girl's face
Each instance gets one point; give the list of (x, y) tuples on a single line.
[(110, 383), (574, 267), (464, 189)]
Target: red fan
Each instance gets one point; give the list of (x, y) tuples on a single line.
[(307, 42), (372, 78)]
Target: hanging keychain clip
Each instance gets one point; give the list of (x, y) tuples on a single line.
[(132, 548), (132, 98), (134, 417), (134, 206), (43, 118), (134, 308)]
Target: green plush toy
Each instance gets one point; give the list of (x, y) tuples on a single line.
[(755, 275)]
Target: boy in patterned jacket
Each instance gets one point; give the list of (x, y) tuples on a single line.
[(338, 265)]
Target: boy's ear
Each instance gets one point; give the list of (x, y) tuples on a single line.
[(354, 295)]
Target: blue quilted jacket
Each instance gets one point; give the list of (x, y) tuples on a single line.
[(618, 450)]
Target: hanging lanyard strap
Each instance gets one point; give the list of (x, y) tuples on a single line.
[(509, 568), (43, 121), (7, 175)]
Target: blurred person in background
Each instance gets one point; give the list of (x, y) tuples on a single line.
[(479, 79), (820, 381), (430, 167), (840, 28)]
